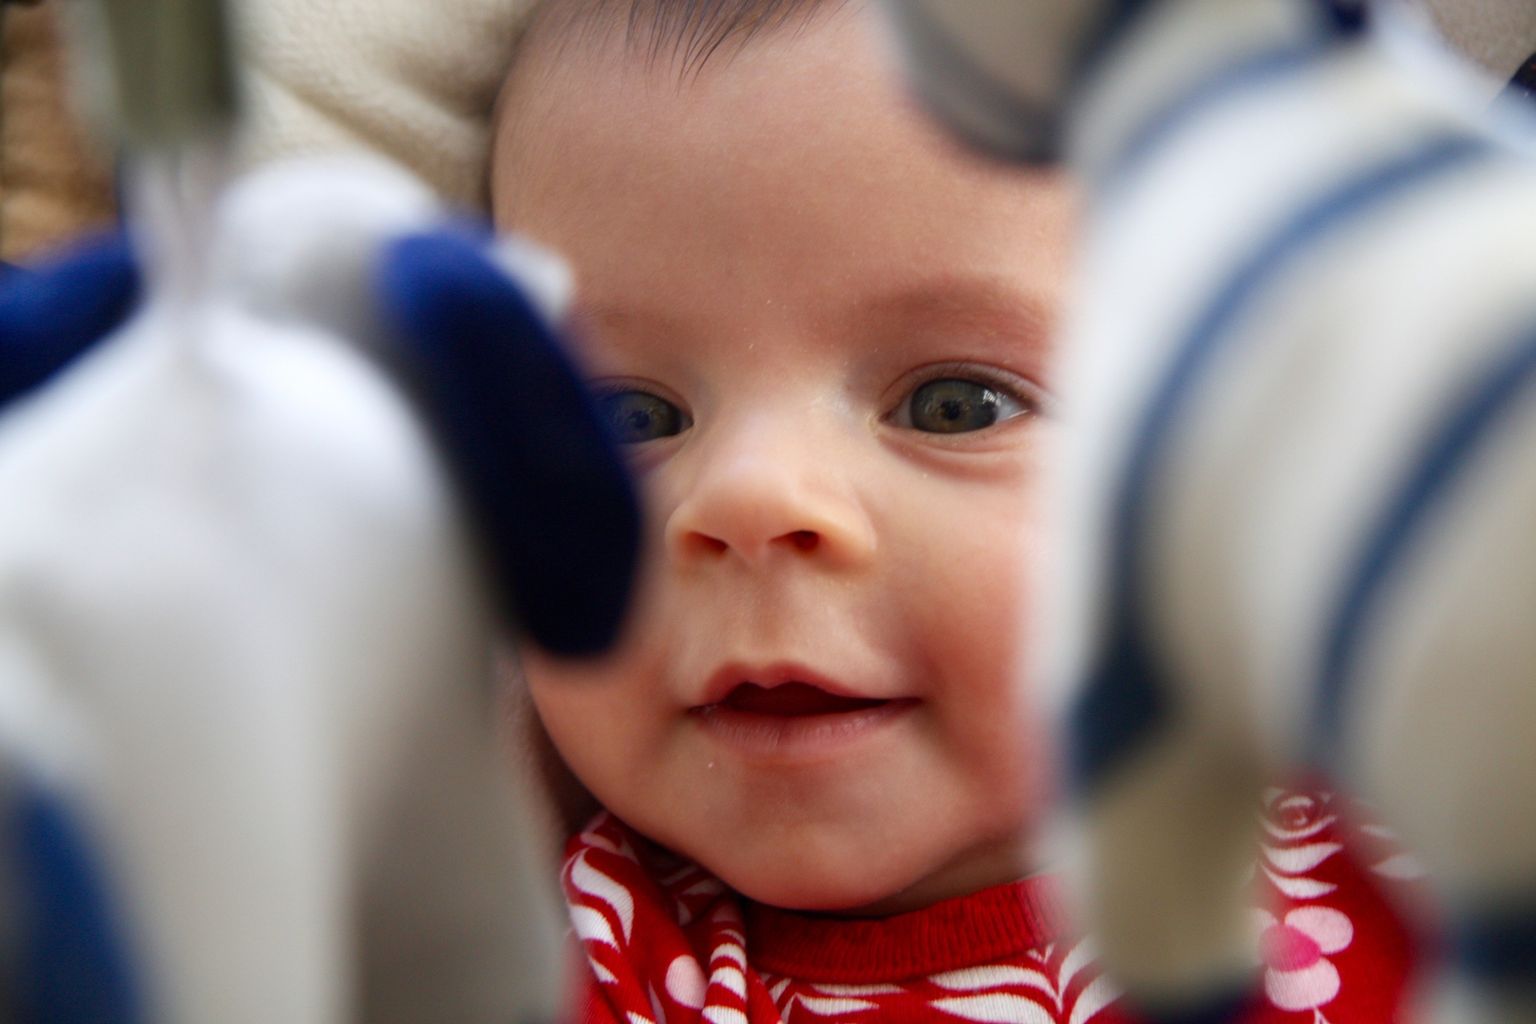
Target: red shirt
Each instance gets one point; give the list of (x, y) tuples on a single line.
[(667, 943)]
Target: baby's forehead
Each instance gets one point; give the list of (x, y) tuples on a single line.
[(794, 178), (571, 50)]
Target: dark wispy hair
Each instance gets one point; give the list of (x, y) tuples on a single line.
[(687, 32)]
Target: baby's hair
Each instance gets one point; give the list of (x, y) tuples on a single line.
[(687, 32)]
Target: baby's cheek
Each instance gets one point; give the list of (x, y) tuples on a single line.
[(536, 757), (995, 725), (573, 713)]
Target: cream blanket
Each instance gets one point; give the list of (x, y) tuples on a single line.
[(410, 80)]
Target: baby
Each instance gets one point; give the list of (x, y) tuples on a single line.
[(822, 333)]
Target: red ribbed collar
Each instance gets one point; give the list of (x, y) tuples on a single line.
[(993, 925)]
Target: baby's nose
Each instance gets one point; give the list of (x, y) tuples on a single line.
[(755, 500)]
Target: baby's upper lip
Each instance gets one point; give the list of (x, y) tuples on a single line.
[(726, 678)]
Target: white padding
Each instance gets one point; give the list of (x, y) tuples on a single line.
[(413, 81)]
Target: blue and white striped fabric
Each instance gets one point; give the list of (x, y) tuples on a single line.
[(1300, 517)]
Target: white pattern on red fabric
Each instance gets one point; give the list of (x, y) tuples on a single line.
[(998, 993), (602, 878), (1297, 976), (685, 982), (1287, 855), (668, 944)]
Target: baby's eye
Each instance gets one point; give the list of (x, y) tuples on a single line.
[(955, 405), (634, 416)]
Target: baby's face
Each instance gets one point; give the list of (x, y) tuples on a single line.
[(823, 332)]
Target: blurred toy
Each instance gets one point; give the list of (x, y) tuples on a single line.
[(1298, 523), (246, 722), (245, 636)]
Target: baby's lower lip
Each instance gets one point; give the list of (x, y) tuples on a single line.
[(792, 700), (789, 723)]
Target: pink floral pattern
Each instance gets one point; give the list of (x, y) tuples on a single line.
[(1298, 840), (1297, 972), (1307, 940)]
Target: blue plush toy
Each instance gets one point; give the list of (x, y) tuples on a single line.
[(256, 537)]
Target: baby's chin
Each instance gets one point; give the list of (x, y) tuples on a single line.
[(793, 887), (868, 880)]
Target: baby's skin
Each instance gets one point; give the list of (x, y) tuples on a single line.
[(823, 332)]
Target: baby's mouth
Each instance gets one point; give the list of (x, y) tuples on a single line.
[(790, 700), (788, 716)]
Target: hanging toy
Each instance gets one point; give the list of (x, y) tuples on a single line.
[(255, 546), (1295, 516)]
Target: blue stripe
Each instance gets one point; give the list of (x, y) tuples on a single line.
[(1125, 696), (1498, 950), (73, 967), (1444, 460)]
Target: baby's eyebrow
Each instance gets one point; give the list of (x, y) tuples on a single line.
[(989, 304), (600, 319)]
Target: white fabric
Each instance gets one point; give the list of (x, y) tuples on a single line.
[(238, 611), (1344, 361)]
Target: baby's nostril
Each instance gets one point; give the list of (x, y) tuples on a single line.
[(805, 540), (710, 545)]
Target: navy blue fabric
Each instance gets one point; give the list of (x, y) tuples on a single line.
[(541, 478), (1125, 696), (50, 315), (1429, 482), (1522, 84), (1347, 16), (1498, 949), (1242, 1003), (74, 966)]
